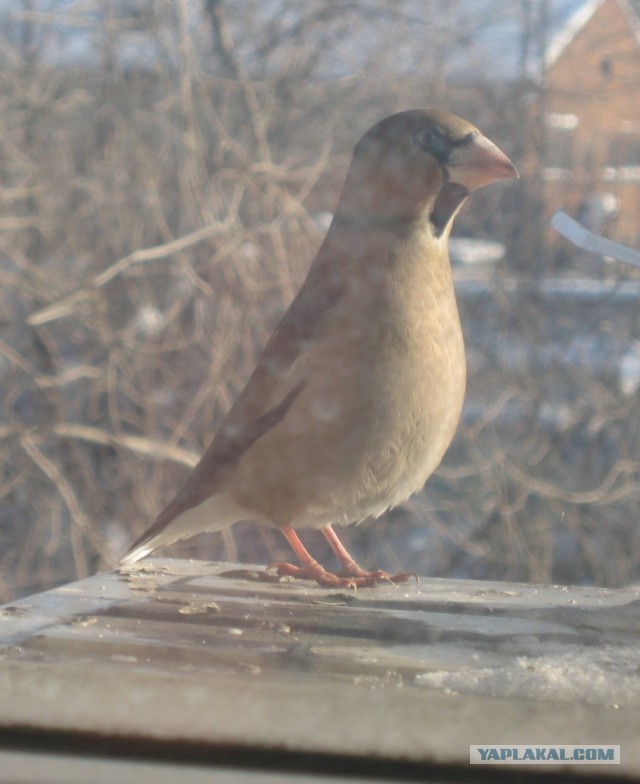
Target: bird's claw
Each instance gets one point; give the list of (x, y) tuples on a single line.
[(314, 572)]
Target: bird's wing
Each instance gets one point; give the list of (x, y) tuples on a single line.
[(268, 395), (208, 475), (302, 326)]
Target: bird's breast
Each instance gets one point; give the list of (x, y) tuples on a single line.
[(383, 391), (416, 373)]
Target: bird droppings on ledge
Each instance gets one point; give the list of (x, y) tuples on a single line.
[(255, 575), (219, 653)]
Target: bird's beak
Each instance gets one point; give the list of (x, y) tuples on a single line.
[(479, 162)]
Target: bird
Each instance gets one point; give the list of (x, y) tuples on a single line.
[(358, 392)]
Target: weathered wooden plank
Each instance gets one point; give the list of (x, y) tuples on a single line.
[(201, 653), (29, 768)]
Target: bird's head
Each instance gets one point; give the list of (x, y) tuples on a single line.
[(421, 163)]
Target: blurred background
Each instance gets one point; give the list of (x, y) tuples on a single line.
[(167, 171)]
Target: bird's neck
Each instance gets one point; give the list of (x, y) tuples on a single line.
[(390, 257), (366, 214)]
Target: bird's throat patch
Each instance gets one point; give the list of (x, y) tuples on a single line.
[(451, 196)]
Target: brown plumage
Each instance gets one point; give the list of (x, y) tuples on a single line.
[(358, 393)]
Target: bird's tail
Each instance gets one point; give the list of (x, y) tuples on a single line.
[(137, 553), (213, 514)]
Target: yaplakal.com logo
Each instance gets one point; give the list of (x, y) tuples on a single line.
[(544, 755)]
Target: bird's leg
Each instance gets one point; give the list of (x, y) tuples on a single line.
[(352, 569), (310, 568), (349, 565)]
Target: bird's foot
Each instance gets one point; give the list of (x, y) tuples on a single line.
[(356, 578), (314, 571), (350, 567)]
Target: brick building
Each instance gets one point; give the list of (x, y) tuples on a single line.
[(592, 119)]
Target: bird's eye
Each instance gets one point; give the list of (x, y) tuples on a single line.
[(431, 140)]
